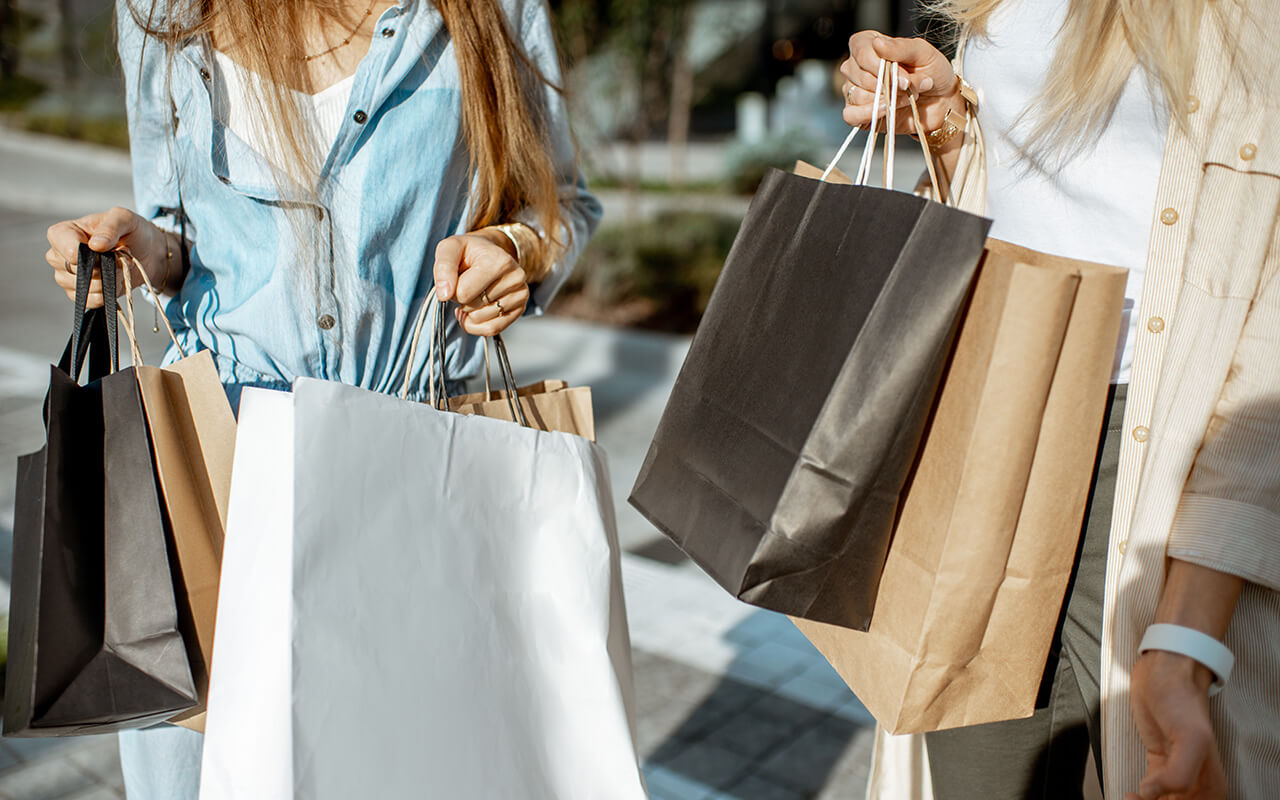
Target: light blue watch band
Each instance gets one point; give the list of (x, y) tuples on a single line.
[(1193, 644)]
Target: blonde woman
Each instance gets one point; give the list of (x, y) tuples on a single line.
[(306, 171), (1145, 134)]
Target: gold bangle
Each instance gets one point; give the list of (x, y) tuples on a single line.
[(529, 248), (168, 264), (508, 230)]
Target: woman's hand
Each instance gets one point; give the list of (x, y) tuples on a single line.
[(1169, 695), (922, 71), (480, 271), (118, 228)]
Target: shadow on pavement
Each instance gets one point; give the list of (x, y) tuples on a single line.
[(748, 741)]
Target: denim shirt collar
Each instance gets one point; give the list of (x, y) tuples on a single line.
[(415, 32)]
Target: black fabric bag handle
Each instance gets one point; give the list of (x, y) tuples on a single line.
[(93, 330)]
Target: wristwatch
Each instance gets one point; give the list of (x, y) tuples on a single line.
[(954, 121)]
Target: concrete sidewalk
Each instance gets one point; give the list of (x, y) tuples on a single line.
[(733, 702)]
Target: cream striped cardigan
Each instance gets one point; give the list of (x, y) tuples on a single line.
[(1200, 469), (1200, 465)]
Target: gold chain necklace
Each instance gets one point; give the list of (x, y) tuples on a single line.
[(347, 40)]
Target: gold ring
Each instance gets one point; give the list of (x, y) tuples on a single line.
[(67, 266), (498, 303), (847, 92), (485, 296)]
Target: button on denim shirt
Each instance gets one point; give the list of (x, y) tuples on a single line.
[(273, 307)]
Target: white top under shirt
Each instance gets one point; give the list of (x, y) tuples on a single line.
[(1099, 205), (324, 111)]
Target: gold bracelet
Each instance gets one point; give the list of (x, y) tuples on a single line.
[(168, 264), (529, 250), (954, 121), (951, 124)]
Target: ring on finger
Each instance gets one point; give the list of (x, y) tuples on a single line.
[(485, 296), (498, 304), (67, 266), (848, 95)]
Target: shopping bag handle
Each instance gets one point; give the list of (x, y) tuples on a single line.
[(891, 119), (93, 331), (437, 340), (85, 320), (436, 345), (509, 378), (126, 312)]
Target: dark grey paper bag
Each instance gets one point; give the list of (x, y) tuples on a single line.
[(796, 416), (94, 637)]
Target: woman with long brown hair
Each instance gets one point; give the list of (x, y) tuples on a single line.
[(1145, 134), (305, 172)]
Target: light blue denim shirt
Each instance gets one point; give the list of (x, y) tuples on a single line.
[(272, 307)]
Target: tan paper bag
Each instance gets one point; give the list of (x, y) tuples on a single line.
[(548, 406), (991, 516), (193, 433)]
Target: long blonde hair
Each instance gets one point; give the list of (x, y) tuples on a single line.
[(1099, 45), (506, 132)]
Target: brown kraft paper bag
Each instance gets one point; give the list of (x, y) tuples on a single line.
[(991, 515), (550, 405), (193, 433)]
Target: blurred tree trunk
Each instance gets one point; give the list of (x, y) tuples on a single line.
[(67, 43), (8, 39), (681, 102), (70, 53)]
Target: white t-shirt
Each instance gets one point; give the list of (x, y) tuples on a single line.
[(1100, 205), (323, 111)]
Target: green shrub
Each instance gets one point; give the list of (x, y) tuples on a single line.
[(747, 164), (671, 261), (18, 90), (109, 131)]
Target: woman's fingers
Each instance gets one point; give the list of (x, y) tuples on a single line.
[(67, 282), (910, 53), (508, 282), (449, 255), (859, 116), (484, 279), (488, 321), (920, 67), (489, 267), (925, 70), (863, 64), (112, 228), (501, 303), (66, 237), (467, 265), (102, 232)]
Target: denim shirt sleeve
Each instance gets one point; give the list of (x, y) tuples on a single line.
[(581, 211), (149, 110)]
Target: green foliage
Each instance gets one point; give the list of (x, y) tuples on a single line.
[(671, 261), (747, 164), (110, 131), (18, 90)]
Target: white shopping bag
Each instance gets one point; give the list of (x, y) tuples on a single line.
[(416, 604)]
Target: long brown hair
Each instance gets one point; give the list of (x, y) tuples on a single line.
[(503, 103)]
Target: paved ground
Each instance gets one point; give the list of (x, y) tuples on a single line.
[(733, 702)]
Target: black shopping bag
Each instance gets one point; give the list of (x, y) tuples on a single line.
[(94, 639), (796, 417)]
